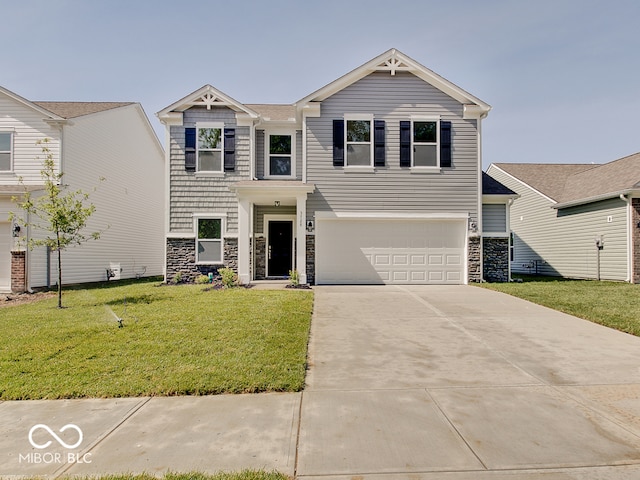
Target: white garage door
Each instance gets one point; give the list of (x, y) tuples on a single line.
[(5, 255), (367, 251)]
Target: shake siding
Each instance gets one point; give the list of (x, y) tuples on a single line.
[(564, 239), (201, 193), (28, 127), (393, 99)]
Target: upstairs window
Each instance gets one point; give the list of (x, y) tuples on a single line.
[(280, 155), (209, 240), (425, 143), (358, 142), (5, 151), (210, 148)]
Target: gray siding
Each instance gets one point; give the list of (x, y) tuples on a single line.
[(261, 167), (393, 99), (260, 211), (562, 242), (198, 193), (494, 218)]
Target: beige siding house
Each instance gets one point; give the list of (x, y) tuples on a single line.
[(575, 220), (373, 179), (88, 140)]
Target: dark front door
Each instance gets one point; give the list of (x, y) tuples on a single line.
[(279, 248)]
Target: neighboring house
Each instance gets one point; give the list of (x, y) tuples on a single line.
[(374, 178), (575, 220), (87, 141)]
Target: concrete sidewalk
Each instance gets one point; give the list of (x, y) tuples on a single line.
[(404, 382)]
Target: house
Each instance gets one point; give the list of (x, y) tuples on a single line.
[(374, 178), (87, 141), (575, 220)]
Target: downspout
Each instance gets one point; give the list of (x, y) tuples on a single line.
[(629, 238), (509, 203), (479, 206)]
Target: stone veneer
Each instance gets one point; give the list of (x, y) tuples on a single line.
[(495, 259), (261, 258), (311, 259), (181, 257), (473, 263), (18, 271), (635, 228)]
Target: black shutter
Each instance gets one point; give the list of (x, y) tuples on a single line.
[(378, 137), (405, 144), (445, 144), (338, 143), (229, 149), (190, 149)]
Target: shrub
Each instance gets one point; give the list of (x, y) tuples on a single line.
[(294, 278), (203, 279), (177, 278), (229, 277)]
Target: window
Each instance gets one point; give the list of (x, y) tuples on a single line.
[(280, 155), (5, 151), (358, 142), (210, 149), (425, 143), (209, 240)]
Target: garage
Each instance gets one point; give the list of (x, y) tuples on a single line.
[(390, 250)]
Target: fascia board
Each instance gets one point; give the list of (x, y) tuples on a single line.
[(27, 103)]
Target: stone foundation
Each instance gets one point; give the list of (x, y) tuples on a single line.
[(635, 228), (495, 259), (181, 258), (261, 258), (19, 271), (311, 259), (473, 263)]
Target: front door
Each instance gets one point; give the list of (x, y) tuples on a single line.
[(280, 248)]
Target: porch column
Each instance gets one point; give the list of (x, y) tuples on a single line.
[(244, 233), (301, 237)]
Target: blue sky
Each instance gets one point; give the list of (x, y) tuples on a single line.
[(563, 76)]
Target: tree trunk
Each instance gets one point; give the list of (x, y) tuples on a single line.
[(59, 273)]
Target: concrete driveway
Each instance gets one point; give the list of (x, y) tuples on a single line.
[(453, 383), (427, 380)]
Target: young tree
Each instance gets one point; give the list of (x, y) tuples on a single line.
[(59, 212)]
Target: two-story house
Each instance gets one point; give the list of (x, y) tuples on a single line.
[(374, 178), (87, 141)]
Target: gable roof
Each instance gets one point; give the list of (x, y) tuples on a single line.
[(30, 104), (393, 61), (78, 109), (574, 184), (491, 186), (206, 96)]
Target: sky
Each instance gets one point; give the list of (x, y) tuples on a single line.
[(562, 76)]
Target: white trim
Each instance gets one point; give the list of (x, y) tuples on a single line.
[(425, 169), (223, 228), (179, 235), (595, 198), (359, 117), (425, 119), (268, 132), (390, 215), (517, 180), (214, 125), (11, 151), (267, 218)]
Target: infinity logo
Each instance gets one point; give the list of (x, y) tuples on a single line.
[(52, 433)]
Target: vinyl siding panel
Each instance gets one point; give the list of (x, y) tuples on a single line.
[(261, 210), (28, 128), (119, 146), (562, 242), (392, 99), (494, 218), (192, 192)]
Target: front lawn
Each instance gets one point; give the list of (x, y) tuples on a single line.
[(175, 340), (614, 304)]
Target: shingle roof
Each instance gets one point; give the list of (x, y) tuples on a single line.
[(274, 111), (547, 178), (78, 109), (569, 183), (490, 186)]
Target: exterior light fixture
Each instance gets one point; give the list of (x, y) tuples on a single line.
[(276, 203)]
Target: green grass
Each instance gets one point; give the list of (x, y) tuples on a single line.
[(176, 340), (614, 304)]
